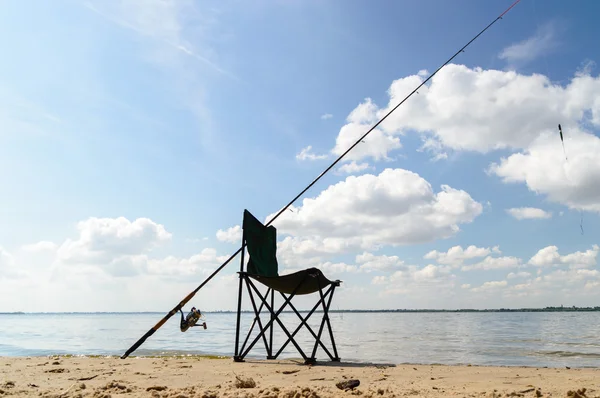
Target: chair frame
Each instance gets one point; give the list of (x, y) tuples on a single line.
[(325, 299)]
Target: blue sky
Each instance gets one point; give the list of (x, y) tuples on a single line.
[(177, 115)]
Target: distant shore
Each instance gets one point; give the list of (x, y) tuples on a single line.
[(545, 309), (209, 377)]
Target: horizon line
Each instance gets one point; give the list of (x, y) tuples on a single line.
[(501, 309)]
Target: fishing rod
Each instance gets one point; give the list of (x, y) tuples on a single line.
[(193, 293)]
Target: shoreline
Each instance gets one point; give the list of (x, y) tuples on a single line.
[(183, 355), (262, 359), (214, 376)]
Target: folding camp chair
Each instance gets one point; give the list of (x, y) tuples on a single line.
[(261, 243)]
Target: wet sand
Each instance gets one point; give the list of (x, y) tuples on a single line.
[(187, 377)]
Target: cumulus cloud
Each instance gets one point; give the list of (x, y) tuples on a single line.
[(376, 145), (544, 170), (549, 256), (353, 167), (306, 154), (491, 285), (8, 268), (419, 284), (570, 286), (196, 265), (120, 248), (230, 235), (326, 116), (40, 246), (101, 239), (330, 268), (522, 274), (456, 255), (396, 207), (489, 263), (473, 109), (370, 262), (528, 213), (296, 252)]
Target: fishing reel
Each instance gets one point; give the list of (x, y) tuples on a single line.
[(191, 319)]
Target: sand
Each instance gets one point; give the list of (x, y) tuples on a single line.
[(186, 377)]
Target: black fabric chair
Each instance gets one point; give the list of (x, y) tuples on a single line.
[(262, 267)]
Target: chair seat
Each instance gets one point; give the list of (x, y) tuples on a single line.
[(314, 281)]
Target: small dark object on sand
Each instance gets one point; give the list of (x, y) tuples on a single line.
[(156, 388), (244, 383), (348, 384), (87, 378)]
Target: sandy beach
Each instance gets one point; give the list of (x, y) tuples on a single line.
[(183, 377)]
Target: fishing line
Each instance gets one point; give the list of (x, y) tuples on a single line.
[(193, 293), (559, 126)]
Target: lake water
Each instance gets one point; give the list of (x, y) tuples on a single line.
[(552, 339)]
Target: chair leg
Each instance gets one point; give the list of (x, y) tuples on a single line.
[(325, 299), (236, 356), (257, 318), (261, 333), (276, 318), (335, 352), (270, 355), (304, 323), (318, 338)]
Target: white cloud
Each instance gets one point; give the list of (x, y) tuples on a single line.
[(514, 275), (108, 285), (540, 44), (418, 284), (549, 256), (116, 247), (492, 285), (106, 238), (306, 154), (396, 207), (326, 116), (376, 145), (196, 265), (543, 168), (364, 113), (434, 147), (413, 273), (489, 263), (456, 255), (330, 268), (40, 246), (295, 253), (369, 262), (8, 268), (474, 110), (527, 213), (353, 167), (569, 287), (230, 235)]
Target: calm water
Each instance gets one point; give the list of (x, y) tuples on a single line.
[(530, 339)]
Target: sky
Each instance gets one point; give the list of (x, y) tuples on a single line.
[(134, 134)]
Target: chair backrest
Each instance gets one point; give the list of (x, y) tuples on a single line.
[(261, 243)]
